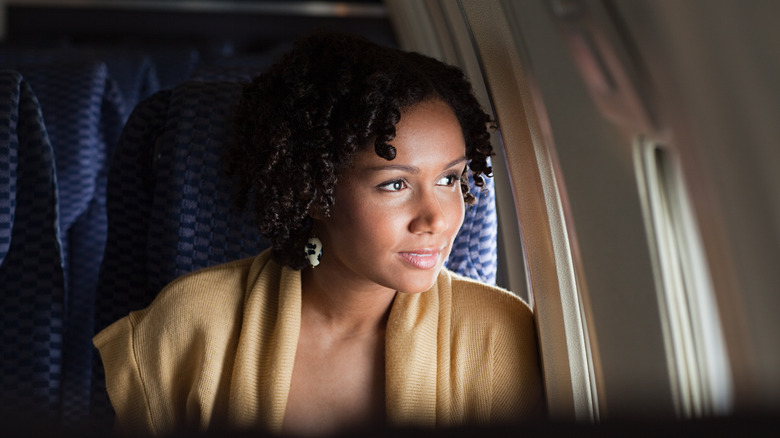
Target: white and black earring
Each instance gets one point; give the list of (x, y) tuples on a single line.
[(314, 251)]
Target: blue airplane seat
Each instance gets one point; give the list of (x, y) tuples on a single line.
[(475, 250), (32, 283), (83, 111), (238, 67), (123, 281), (133, 72), (169, 205), (174, 63)]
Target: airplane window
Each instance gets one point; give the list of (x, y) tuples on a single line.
[(693, 335)]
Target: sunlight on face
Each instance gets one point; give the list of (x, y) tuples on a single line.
[(393, 222)]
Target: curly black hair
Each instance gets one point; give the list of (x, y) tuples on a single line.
[(300, 123)]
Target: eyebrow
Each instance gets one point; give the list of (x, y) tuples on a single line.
[(412, 169)]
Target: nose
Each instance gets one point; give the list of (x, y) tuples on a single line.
[(430, 216)]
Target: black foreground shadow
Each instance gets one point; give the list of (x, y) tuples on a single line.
[(743, 426)]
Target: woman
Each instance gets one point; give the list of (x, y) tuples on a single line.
[(354, 158)]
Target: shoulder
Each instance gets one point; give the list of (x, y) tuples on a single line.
[(205, 297), (181, 344), (494, 334), (495, 323), (479, 304), (497, 328), (209, 288)]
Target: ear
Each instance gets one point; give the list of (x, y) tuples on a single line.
[(316, 213)]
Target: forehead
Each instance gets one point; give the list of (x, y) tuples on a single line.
[(433, 117), (427, 133)]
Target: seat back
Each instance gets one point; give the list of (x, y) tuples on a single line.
[(32, 285), (239, 68), (133, 72), (84, 114), (169, 204)]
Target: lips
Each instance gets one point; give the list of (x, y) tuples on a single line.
[(422, 258)]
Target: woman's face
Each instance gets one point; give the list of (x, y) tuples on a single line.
[(393, 222)]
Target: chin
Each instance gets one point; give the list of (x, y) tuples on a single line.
[(419, 286)]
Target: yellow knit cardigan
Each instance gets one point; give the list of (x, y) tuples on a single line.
[(216, 350)]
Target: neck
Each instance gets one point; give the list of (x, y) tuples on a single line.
[(344, 310)]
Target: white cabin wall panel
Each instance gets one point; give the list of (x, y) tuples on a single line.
[(715, 66)]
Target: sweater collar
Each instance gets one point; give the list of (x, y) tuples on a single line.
[(417, 353)]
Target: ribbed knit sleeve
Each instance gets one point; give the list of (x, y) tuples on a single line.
[(126, 388), (516, 372), (498, 366)]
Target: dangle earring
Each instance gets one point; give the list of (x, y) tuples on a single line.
[(314, 251)]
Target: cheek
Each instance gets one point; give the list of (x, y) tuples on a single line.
[(460, 215), (366, 221), (456, 210)]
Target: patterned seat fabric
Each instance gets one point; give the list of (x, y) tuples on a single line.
[(84, 115), (132, 71), (475, 250), (123, 284), (240, 68), (173, 63), (32, 285)]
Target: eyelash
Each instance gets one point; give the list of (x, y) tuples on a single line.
[(454, 178), (384, 186)]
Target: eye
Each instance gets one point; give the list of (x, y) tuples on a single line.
[(393, 186), (448, 180)]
